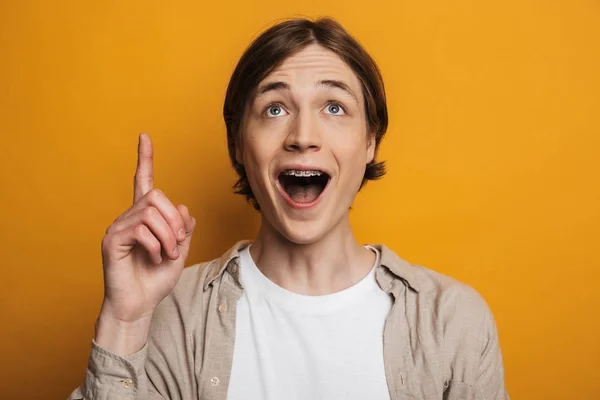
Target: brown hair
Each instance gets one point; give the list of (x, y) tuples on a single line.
[(273, 47)]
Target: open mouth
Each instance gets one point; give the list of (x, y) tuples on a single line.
[(303, 186)]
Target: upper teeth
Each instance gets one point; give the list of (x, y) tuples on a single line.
[(296, 172)]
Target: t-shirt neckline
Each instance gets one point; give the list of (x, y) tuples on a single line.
[(268, 290)]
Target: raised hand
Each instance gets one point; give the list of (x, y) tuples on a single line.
[(143, 254)]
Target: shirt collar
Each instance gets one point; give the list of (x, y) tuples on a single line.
[(397, 266), (217, 267)]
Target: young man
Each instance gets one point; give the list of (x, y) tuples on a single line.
[(304, 311)]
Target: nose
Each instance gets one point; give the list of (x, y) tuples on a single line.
[(304, 133)]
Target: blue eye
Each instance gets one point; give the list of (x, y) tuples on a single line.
[(275, 110), (335, 109)]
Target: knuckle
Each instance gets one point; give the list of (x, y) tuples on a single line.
[(139, 231), (150, 212), (114, 227), (107, 241), (155, 194), (111, 227)]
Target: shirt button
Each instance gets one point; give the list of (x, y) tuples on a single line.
[(234, 269), (127, 383), (214, 381), (223, 308)]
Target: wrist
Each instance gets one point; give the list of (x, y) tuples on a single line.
[(120, 337)]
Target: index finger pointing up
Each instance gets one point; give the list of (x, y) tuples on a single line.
[(143, 180)]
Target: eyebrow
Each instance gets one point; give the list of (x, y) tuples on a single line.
[(331, 83), (278, 85)]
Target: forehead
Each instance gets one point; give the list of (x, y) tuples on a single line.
[(313, 63)]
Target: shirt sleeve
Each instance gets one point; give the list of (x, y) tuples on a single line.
[(109, 376)]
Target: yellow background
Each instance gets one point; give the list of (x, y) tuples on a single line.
[(492, 152)]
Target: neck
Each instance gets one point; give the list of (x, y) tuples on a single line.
[(333, 263)]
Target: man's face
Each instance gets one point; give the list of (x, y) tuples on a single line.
[(304, 144)]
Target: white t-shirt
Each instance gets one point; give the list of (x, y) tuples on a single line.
[(292, 346)]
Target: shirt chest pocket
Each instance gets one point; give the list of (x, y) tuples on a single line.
[(460, 391)]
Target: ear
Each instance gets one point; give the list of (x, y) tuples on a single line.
[(371, 147)]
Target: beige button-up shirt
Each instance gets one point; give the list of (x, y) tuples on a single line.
[(440, 339)]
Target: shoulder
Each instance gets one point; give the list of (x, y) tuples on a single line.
[(439, 291), (462, 320), (451, 297), (457, 311)]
